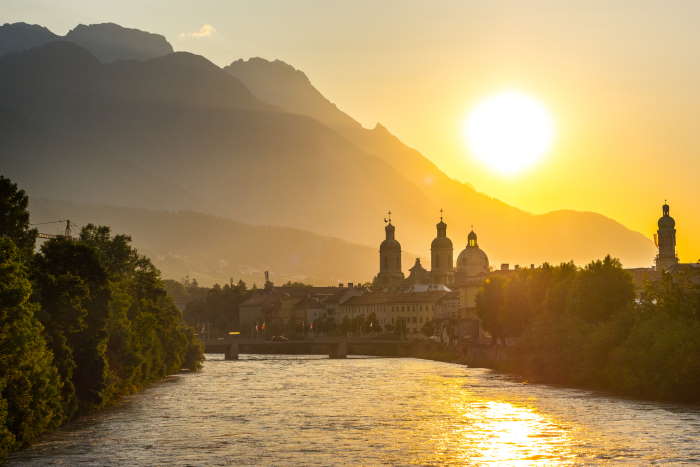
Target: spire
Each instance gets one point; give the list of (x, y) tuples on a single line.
[(389, 228), (441, 226), (665, 208)]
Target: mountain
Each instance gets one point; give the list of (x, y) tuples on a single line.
[(213, 249), (178, 133), (17, 37), (108, 42), (290, 89)]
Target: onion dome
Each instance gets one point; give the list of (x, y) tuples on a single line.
[(441, 241), (390, 243)]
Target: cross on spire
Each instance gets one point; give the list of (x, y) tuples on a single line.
[(387, 220), (441, 213)]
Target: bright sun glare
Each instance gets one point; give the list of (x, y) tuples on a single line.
[(509, 132)]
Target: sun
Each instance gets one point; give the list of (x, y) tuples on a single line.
[(509, 132)]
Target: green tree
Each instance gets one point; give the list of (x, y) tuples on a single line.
[(601, 289), (14, 217), (30, 401), (490, 307)]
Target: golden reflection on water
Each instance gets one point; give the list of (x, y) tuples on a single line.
[(500, 433)]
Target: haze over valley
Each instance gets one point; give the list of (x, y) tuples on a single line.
[(112, 117)]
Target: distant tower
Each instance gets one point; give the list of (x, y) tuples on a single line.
[(390, 274), (666, 241), (441, 256)]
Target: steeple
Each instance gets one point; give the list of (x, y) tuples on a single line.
[(441, 255), (666, 240), (389, 229), (441, 226), (390, 274)]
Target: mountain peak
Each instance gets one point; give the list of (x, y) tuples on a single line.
[(15, 37), (277, 67), (279, 83), (110, 42)]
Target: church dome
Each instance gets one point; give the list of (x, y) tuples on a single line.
[(472, 261)]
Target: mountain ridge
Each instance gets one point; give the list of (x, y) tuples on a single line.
[(220, 150)]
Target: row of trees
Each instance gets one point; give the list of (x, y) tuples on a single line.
[(585, 327), (82, 322)]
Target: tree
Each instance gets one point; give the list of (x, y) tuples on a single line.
[(490, 304), (72, 289), (14, 217), (30, 400), (601, 289)]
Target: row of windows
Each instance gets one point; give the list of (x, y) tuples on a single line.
[(393, 308)]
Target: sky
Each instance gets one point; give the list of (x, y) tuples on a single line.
[(621, 80)]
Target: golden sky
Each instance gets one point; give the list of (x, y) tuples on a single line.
[(620, 78)]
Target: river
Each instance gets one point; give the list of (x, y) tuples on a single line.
[(292, 410)]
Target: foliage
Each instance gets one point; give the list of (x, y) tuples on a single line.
[(29, 383), (82, 322), (216, 311), (584, 327), (14, 217)]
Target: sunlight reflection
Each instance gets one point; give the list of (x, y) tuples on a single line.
[(500, 432)]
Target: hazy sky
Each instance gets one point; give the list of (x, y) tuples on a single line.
[(621, 78)]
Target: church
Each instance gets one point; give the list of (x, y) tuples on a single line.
[(467, 273), (447, 291)]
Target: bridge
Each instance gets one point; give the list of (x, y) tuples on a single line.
[(334, 347)]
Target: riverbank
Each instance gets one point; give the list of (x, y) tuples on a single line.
[(281, 410)]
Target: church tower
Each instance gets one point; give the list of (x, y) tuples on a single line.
[(666, 241), (390, 274), (441, 256)]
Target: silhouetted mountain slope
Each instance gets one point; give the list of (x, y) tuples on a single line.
[(213, 249), (513, 235), (107, 41), (177, 132), (284, 86), (17, 37), (198, 128)]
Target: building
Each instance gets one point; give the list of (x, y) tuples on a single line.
[(441, 252), (666, 241), (390, 275), (406, 312), (291, 310), (445, 293), (666, 260)]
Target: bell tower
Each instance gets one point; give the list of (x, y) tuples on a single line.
[(441, 256), (666, 240), (390, 274)]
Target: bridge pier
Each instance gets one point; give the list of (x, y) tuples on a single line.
[(339, 350), (231, 351)]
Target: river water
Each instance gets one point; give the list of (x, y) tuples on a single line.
[(292, 410)]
